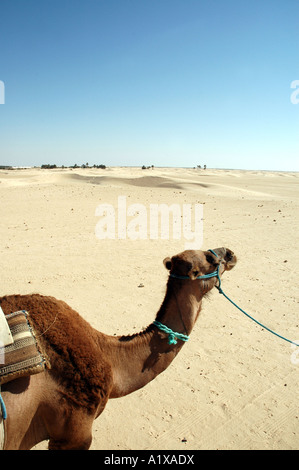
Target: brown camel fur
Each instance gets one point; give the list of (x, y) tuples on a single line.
[(89, 367)]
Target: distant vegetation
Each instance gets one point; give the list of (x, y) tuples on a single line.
[(147, 167), (49, 166)]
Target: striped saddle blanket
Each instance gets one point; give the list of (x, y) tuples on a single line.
[(23, 356)]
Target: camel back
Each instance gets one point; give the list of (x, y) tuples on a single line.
[(23, 357)]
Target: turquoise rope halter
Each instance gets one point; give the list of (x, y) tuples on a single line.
[(216, 274)]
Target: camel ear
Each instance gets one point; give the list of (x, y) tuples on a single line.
[(167, 263)]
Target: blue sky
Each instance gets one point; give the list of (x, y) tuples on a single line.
[(154, 82)]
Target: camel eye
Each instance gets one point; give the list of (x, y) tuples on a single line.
[(210, 259)]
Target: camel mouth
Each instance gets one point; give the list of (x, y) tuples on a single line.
[(230, 260), (227, 258)]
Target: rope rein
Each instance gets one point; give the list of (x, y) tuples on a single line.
[(253, 319), (245, 313)]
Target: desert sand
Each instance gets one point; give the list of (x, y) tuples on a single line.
[(234, 385)]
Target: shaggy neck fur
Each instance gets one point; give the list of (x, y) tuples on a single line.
[(138, 359)]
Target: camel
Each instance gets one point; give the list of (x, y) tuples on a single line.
[(89, 367)]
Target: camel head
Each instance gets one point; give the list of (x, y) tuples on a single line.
[(192, 264), (192, 274)]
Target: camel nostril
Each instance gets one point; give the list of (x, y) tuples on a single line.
[(230, 260), (196, 273), (229, 255)]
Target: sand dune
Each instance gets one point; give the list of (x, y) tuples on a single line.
[(142, 182), (234, 385)]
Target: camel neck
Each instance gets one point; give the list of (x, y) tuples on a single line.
[(136, 360)]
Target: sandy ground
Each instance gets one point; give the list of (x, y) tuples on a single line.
[(234, 385)]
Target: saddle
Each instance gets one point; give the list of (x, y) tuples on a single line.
[(20, 354)]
